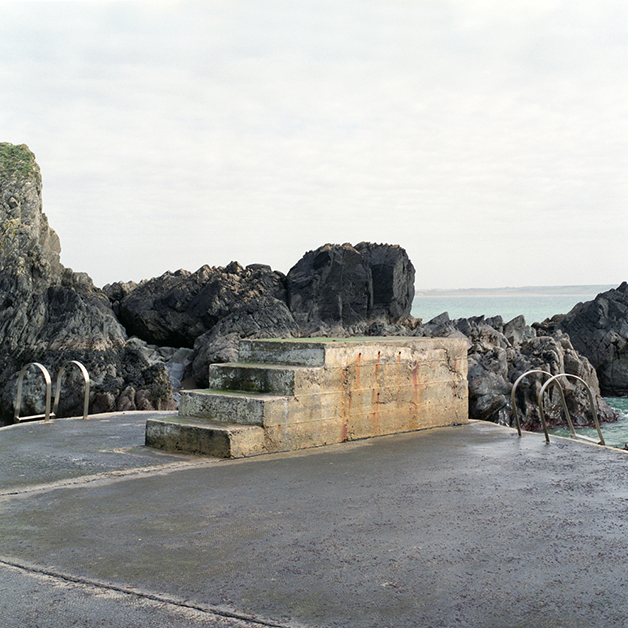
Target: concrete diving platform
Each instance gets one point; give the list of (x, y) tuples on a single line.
[(290, 394)]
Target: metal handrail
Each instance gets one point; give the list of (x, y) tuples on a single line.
[(47, 414), (553, 380), (514, 405), (18, 401), (58, 387)]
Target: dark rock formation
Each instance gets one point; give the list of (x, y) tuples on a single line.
[(392, 273), (598, 329), (260, 317), (51, 314), (330, 286), (348, 285), (117, 292), (176, 308)]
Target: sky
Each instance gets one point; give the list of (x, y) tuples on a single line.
[(487, 138)]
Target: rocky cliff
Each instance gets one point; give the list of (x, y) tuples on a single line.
[(51, 314), (599, 330)]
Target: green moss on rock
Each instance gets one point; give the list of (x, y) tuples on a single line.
[(15, 160)]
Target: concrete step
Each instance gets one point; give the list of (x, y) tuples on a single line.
[(282, 352), (258, 378), (244, 408), (197, 436)]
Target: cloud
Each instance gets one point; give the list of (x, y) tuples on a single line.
[(478, 135)]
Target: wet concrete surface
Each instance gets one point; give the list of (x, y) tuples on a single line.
[(72, 450), (462, 526)]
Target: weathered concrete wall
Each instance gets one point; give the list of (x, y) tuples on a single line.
[(300, 393), (364, 387)]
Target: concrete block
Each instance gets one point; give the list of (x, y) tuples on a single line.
[(194, 436), (296, 353), (267, 378), (310, 392), (231, 406)]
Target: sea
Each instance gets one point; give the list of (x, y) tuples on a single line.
[(535, 308)]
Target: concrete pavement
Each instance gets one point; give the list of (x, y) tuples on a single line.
[(460, 526)]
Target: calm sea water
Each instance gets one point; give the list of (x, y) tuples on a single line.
[(535, 308), (615, 434)]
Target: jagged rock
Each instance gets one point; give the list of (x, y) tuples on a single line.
[(516, 331), (496, 322), (49, 313), (176, 308), (116, 292), (393, 280), (438, 326), (598, 329), (348, 285), (489, 388), (548, 326), (498, 356), (261, 317), (379, 328)]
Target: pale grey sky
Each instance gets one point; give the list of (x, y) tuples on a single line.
[(488, 138)]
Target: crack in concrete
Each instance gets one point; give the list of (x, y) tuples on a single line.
[(251, 620)]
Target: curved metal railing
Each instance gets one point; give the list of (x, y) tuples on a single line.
[(514, 405), (18, 401), (86, 379), (47, 413), (554, 380)]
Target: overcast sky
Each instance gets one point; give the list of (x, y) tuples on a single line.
[(488, 138)]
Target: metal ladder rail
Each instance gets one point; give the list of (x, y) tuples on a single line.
[(48, 414), (18, 401), (554, 380), (514, 405), (58, 387)]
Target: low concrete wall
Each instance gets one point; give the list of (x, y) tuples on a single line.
[(358, 388)]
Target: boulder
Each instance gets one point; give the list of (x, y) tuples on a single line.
[(261, 317), (116, 292), (392, 274), (176, 308), (50, 314), (598, 329), (348, 285)]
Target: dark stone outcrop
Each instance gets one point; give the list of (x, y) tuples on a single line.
[(176, 308), (260, 317), (51, 314), (336, 284), (598, 330), (349, 285), (392, 273)]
